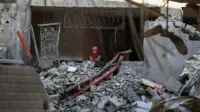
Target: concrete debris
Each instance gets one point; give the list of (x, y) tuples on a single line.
[(192, 70), (123, 92), (128, 66), (153, 94), (102, 103), (71, 69), (139, 110), (173, 85), (82, 98), (144, 105), (111, 108), (148, 83), (56, 80), (193, 33), (115, 101), (112, 95), (54, 97)]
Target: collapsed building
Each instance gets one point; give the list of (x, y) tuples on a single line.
[(159, 63)]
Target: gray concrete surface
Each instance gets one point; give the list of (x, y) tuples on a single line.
[(21, 90)]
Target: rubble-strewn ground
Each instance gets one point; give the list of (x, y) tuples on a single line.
[(122, 88), (117, 93), (56, 80), (127, 90)]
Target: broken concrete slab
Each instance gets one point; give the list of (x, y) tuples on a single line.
[(173, 85), (123, 86), (111, 108), (139, 110), (144, 105), (82, 97), (54, 97), (71, 69), (102, 103), (153, 93), (86, 110), (129, 66), (148, 83), (115, 101)]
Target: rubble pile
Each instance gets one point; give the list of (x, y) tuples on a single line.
[(124, 91), (192, 71), (116, 94), (56, 80)]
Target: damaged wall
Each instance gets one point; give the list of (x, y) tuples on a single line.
[(15, 17), (164, 58)]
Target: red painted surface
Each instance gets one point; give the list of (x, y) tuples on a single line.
[(24, 45)]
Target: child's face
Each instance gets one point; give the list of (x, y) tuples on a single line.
[(94, 51)]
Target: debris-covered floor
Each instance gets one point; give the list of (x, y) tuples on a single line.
[(117, 92), (125, 90), (122, 91)]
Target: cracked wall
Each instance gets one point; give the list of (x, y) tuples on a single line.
[(15, 17)]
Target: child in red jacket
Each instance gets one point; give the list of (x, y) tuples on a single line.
[(95, 54)]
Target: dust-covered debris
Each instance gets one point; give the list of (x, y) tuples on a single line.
[(56, 80), (125, 91), (118, 93)]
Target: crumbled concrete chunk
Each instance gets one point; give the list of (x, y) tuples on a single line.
[(139, 110), (123, 86), (173, 85), (148, 83), (115, 101), (54, 97), (111, 108), (103, 102), (82, 97), (144, 105)]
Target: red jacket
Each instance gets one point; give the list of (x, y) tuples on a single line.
[(95, 57)]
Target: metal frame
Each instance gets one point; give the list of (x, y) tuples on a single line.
[(95, 19), (46, 60)]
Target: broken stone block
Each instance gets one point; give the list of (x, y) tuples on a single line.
[(139, 110), (95, 100), (52, 108), (93, 88), (130, 96), (115, 101), (111, 108), (53, 71), (54, 97), (71, 69), (153, 94), (173, 85), (98, 110), (102, 103), (148, 83), (144, 105), (85, 110), (81, 98)]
